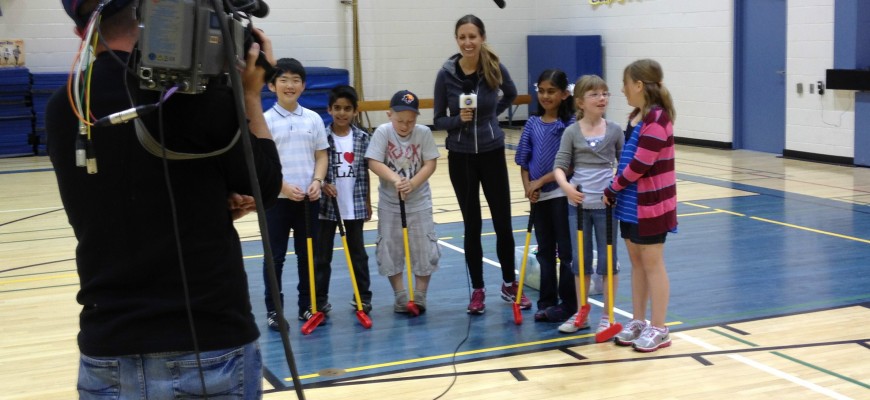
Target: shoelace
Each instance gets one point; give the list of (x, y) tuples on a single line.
[(651, 331), (636, 325), (572, 319)]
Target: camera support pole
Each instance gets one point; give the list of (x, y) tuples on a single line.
[(236, 80)]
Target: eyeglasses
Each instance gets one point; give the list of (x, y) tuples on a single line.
[(598, 95)]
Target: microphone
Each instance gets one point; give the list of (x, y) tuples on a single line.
[(255, 8), (468, 99), (262, 9), (500, 3)]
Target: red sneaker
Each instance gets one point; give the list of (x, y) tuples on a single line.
[(476, 306), (509, 294)]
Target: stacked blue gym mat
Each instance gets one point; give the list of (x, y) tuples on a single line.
[(44, 85), (318, 82), (16, 114)]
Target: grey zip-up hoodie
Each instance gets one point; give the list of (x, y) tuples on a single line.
[(483, 134)]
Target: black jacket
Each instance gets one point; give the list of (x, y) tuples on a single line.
[(130, 278), (484, 134)]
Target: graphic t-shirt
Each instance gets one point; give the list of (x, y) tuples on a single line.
[(344, 174), (405, 156)]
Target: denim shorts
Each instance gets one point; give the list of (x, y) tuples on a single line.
[(234, 373), (630, 232), (594, 234)]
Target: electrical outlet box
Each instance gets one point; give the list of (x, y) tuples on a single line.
[(812, 88), (800, 88), (821, 86)]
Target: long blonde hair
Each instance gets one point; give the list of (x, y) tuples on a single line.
[(654, 91), (489, 62)]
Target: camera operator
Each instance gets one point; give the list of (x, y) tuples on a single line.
[(136, 338)]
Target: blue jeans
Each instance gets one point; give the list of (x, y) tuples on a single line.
[(229, 374), (284, 216), (594, 225), (551, 232)]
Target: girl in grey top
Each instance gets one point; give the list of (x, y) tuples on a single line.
[(591, 146)]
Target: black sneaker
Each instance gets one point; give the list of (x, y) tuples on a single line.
[(306, 314), (273, 321), (557, 313), (366, 306)]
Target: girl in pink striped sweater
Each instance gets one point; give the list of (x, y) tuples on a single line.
[(645, 193)]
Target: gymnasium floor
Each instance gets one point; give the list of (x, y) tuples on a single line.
[(769, 299)]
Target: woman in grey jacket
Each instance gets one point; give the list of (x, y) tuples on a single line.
[(476, 153)]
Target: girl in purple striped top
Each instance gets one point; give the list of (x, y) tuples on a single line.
[(535, 155)]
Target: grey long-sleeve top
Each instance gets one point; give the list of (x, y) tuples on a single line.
[(593, 166)]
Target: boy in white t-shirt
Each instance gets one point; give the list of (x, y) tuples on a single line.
[(403, 155), (300, 137), (347, 181)]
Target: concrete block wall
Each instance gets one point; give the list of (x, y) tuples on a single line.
[(818, 124), (404, 43), (693, 41)]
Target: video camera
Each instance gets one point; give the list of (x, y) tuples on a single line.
[(181, 42)]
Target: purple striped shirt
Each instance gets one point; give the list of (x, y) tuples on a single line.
[(538, 146)]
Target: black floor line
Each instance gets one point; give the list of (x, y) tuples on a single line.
[(733, 329), (572, 353), (702, 360)]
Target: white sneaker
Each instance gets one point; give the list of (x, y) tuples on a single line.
[(652, 339), (603, 324), (568, 326), (629, 333)]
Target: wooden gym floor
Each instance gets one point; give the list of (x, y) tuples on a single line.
[(770, 298)]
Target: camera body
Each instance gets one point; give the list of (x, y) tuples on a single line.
[(181, 43)]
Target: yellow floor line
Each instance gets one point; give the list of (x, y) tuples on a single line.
[(812, 230)]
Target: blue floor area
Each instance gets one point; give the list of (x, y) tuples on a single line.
[(738, 258)]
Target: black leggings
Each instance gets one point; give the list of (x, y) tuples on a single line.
[(468, 172)]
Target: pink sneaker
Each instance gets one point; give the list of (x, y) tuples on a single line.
[(509, 294), (476, 306)]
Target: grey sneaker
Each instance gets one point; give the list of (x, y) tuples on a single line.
[(603, 324), (420, 300), (629, 333), (401, 304), (568, 326), (652, 339)]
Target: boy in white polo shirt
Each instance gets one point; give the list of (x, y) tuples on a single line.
[(300, 136)]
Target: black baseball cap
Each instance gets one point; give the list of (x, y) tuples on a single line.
[(72, 8), (404, 100)]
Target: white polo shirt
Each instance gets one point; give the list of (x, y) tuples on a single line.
[(297, 135)]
